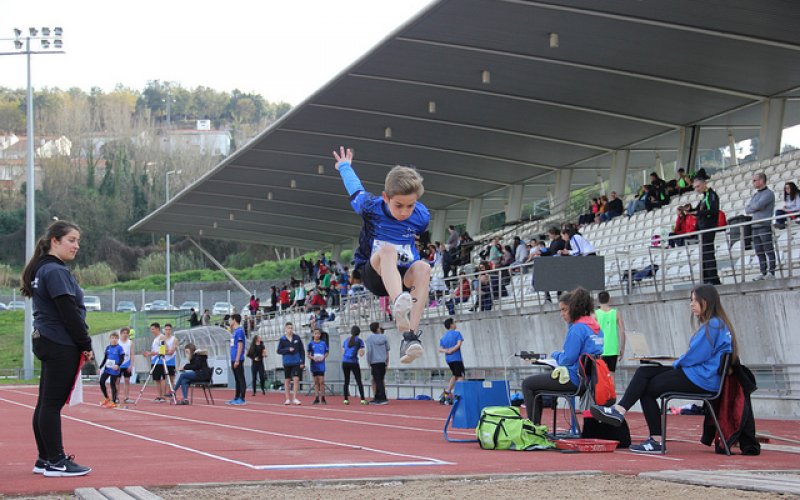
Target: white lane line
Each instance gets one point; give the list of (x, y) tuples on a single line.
[(292, 436), (346, 465), (662, 457), (144, 438)]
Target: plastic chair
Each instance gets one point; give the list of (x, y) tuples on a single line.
[(570, 397), (705, 397)]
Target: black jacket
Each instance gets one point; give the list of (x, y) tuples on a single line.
[(707, 211), (735, 413), (199, 364)]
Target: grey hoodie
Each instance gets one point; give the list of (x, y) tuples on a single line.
[(377, 348), (761, 205)]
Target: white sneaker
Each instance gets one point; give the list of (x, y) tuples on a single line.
[(760, 277), (401, 309), (287, 402), (297, 402), (410, 348), (770, 277)]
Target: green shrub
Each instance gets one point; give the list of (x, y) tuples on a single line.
[(99, 274)]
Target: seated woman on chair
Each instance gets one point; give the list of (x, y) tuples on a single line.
[(697, 371), (196, 370), (583, 337)]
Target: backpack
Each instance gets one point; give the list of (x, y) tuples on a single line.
[(722, 219), (502, 428), (599, 379)]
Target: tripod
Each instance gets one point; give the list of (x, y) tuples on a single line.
[(163, 361)]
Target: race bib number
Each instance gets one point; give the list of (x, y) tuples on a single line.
[(110, 363), (405, 256)]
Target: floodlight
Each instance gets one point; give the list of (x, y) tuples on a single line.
[(57, 31), (33, 31), (17, 44), (45, 31), (45, 44), (17, 33), (57, 43)]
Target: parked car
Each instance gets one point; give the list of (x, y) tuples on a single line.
[(92, 303), (3, 307), (162, 305), (190, 304), (148, 306), (222, 308), (16, 305), (126, 306)]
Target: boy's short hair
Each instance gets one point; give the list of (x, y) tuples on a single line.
[(374, 327), (155, 325), (449, 322), (403, 180), (603, 297), (124, 329), (289, 323), (114, 334), (236, 317), (167, 325)]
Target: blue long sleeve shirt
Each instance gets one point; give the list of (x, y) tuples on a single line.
[(380, 227), (702, 361), (580, 340)]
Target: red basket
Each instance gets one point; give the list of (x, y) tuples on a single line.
[(587, 445)]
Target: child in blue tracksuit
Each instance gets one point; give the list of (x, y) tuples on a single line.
[(290, 346), (317, 354), (112, 360), (583, 337), (697, 371)]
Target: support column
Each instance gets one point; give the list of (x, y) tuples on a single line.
[(732, 149), (618, 175), (689, 137), (561, 198), (474, 216), (769, 137), (336, 253), (514, 203), (437, 225)]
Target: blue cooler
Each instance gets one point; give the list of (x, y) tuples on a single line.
[(469, 398)]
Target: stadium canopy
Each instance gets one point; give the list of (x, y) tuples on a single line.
[(497, 102)]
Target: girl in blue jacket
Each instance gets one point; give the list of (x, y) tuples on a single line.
[(697, 371), (583, 337)]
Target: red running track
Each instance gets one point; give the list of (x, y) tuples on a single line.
[(162, 445)]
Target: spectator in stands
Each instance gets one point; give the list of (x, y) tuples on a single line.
[(707, 214), (521, 252), (614, 208), (461, 294), (639, 204), (685, 223), (684, 181), (791, 204), (193, 319), (483, 288), (495, 252), (697, 371), (762, 207), (657, 193), (602, 207), (273, 299), (583, 337), (576, 243), (591, 212), (285, 298)]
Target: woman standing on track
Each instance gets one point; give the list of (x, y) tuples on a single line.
[(353, 348), (60, 340)]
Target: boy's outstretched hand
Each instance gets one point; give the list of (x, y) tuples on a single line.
[(343, 156)]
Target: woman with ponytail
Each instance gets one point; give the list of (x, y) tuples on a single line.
[(353, 348), (60, 340)]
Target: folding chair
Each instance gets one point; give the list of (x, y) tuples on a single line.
[(206, 386), (705, 397)]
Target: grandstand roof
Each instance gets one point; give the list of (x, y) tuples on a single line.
[(625, 75)]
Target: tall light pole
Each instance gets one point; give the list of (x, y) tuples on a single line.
[(47, 39), (169, 301)]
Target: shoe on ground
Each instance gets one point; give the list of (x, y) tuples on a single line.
[(184, 402), (401, 310), (65, 467), (39, 466), (297, 402), (128, 401), (104, 403), (760, 277), (363, 402), (649, 446), (159, 400), (379, 402), (324, 402), (410, 347), (287, 402), (231, 401), (607, 414), (239, 402), (770, 277), (316, 401), (347, 402)]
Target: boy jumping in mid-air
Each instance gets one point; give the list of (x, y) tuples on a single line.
[(113, 358), (387, 256)]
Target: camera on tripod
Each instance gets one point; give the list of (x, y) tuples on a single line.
[(527, 355), (162, 349)]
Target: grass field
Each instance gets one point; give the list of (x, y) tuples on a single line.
[(12, 330)]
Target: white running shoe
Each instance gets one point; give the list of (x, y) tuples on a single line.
[(287, 402), (297, 402), (401, 309), (410, 347)]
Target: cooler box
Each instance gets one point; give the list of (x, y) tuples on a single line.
[(472, 396)]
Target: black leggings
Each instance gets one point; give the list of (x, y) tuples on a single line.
[(352, 367), (59, 368), (241, 383), (650, 382), (105, 376), (256, 371), (535, 384)]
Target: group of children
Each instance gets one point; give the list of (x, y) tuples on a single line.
[(116, 365)]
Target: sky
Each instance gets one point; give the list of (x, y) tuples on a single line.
[(281, 49)]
